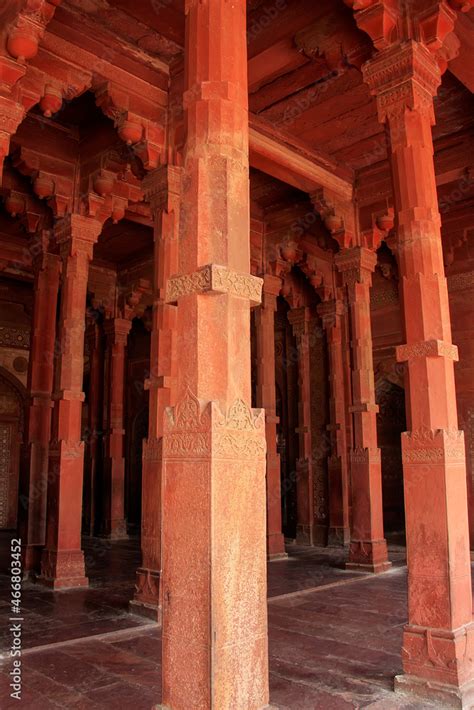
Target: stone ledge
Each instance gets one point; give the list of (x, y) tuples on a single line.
[(213, 278)]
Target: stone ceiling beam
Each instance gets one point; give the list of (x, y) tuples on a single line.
[(295, 163)]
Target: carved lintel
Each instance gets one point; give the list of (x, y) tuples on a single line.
[(215, 279)]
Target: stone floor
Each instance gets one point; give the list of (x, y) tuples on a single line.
[(335, 636)]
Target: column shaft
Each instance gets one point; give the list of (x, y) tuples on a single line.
[(368, 549), (300, 319), (62, 563), (332, 314), (113, 519), (94, 456), (266, 398), (163, 191), (437, 661), (34, 475), (214, 598)]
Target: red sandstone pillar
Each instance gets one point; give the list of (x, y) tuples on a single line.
[(438, 640), (34, 478), (266, 398), (300, 319), (94, 443), (162, 189), (332, 314), (368, 548), (62, 564), (214, 524), (113, 492)]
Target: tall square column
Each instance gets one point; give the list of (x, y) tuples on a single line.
[(332, 314), (300, 319), (62, 564), (215, 651), (368, 548), (266, 398), (113, 517), (34, 464), (162, 189), (437, 644)]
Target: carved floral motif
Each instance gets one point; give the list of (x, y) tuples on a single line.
[(215, 279)]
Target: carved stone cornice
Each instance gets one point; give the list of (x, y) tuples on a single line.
[(213, 278), (405, 76)]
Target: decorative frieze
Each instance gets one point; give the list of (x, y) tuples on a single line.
[(433, 446), (191, 431), (215, 279), (427, 348)]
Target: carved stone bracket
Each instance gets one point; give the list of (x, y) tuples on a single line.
[(338, 215), (215, 279)]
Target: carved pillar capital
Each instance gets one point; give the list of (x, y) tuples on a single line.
[(159, 184), (404, 76), (330, 312), (300, 319), (356, 265), (116, 330), (75, 233), (270, 291)]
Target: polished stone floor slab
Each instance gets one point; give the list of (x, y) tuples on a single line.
[(335, 637)]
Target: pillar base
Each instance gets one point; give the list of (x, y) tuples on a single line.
[(368, 567), (115, 531), (146, 600), (339, 537), (447, 695), (276, 546), (63, 570), (304, 535), (148, 611), (31, 560), (278, 556), (368, 555)]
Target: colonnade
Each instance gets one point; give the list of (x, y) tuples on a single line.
[(207, 449)]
